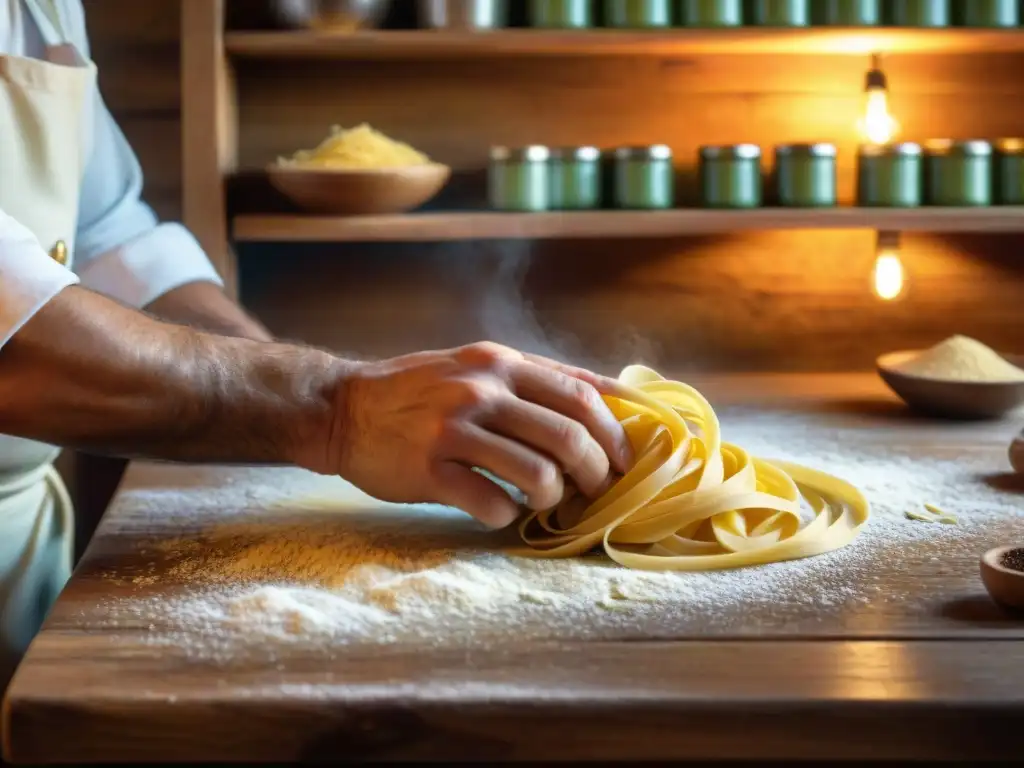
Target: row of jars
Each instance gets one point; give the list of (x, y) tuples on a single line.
[(641, 14), (940, 172), (538, 178)]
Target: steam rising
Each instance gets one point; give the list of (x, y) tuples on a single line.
[(508, 317)]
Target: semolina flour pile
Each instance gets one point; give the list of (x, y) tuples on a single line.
[(960, 358)]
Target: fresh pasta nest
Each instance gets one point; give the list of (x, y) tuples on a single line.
[(692, 502)]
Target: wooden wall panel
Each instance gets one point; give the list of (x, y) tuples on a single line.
[(135, 46)]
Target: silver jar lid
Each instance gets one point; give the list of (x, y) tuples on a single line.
[(901, 149), (819, 149), (731, 152), (1009, 146), (967, 148), (653, 152), (533, 153), (581, 154)]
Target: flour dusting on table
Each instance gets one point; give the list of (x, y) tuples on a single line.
[(276, 564)]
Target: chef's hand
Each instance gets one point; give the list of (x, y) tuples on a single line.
[(410, 429)]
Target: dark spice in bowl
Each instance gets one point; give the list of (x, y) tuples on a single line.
[(1013, 559)]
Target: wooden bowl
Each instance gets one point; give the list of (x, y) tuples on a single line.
[(951, 399), (358, 191), (1005, 585)]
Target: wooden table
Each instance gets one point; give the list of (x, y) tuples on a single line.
[(940, 676)]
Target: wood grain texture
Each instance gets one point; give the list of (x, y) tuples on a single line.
[(939, 675), (209, 127), (435, 227), (615, 701), (771, 301), (135, 46), (421, 44)]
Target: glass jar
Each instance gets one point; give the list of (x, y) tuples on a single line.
[(445, 14), (889, 175), (730, 176), (644, 177), (712, 13), (849, 13), (519, 179), (988, 13), (920, 13), (781, 13), (805, 175), (561, 14), (1009, 171), (575, 178), (958, 173), (638, 14)]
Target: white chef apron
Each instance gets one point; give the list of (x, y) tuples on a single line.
[(45, 114)]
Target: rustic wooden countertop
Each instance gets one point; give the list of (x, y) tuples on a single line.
[(927, 667)]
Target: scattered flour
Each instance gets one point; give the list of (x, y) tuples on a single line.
[(275, 564)]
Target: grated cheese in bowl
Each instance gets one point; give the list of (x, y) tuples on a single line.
[(359, 148)]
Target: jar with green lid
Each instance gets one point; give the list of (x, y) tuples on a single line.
[(644, 177), (519, 179), (848, 13), (920, 13), (781, 13), (562, 14), (988, 13), (958, 173), (638, 14), (805, 175), (730, 176), (712, 13), (889, 175), (1009, 171), (575, 178)]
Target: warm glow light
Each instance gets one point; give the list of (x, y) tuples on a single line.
[(888, 275), (877, 125)]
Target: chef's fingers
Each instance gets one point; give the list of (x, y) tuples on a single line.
[(565, 440), (536, 475), (460, 487), (577, 399), (605, 385)]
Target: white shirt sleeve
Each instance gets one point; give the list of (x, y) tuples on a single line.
[(121, 250), (28, 276)]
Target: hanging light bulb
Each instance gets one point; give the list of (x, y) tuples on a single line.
[(888, 278), (876, 125)]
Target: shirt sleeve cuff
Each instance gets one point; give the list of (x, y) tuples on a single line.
[(144, 269), (28, 277)]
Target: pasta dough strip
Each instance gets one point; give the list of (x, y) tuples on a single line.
[(686, 483)]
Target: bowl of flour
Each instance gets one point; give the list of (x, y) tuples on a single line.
[(957, 378)]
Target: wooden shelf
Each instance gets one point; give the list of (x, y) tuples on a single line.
[(376, 44), (432, 227)]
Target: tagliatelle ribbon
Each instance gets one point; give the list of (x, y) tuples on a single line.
[(690, 501)]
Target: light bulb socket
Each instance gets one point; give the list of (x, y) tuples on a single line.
[(887, 241), (875, 80)]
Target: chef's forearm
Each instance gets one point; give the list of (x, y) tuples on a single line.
[(205, 306), (88, 373)]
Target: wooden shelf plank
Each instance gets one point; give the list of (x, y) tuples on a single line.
[(377, 44), (432, 227)]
